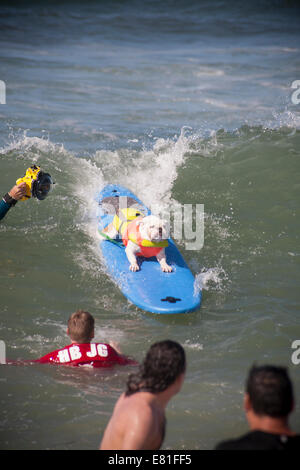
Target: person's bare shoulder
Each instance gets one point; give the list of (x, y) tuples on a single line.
[(140, 425), (135, 424)]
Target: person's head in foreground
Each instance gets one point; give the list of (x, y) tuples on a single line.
[(268, 402), (81, 326), (163, 366), (269, 394)]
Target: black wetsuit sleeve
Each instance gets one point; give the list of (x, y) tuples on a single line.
[(5, 204), (4, 208)]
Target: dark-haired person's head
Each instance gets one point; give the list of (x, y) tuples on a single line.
[(269, 391), (163, 365)]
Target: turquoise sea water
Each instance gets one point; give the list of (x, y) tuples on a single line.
[(183, 103)]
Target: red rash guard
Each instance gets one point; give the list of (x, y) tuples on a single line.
[(93, 354)]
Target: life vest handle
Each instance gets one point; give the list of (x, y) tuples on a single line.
[(121, 245)]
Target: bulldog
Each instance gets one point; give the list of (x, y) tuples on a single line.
[(142, 236)]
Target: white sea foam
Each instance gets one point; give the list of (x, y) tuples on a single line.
[(149, 173), (193, 345), (285, 118), (223, 104), (31, 146), (212, 279), (208, 72)]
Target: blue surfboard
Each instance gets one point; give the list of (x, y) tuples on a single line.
[(150, 288)]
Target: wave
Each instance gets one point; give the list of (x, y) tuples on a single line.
[(152, 172)]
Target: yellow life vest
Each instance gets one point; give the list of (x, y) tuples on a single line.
[(126, 225), (127, 215)]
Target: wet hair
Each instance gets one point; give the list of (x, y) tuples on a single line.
[(270, 391), (81, 326), (163, 364)]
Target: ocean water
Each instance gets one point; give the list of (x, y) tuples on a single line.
[(183, 103)]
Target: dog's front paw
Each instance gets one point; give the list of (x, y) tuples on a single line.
[(134, 267), (166, 268)]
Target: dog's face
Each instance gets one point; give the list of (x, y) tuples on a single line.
[(153, 228)]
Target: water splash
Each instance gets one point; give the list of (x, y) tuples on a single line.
[(215, 279)]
